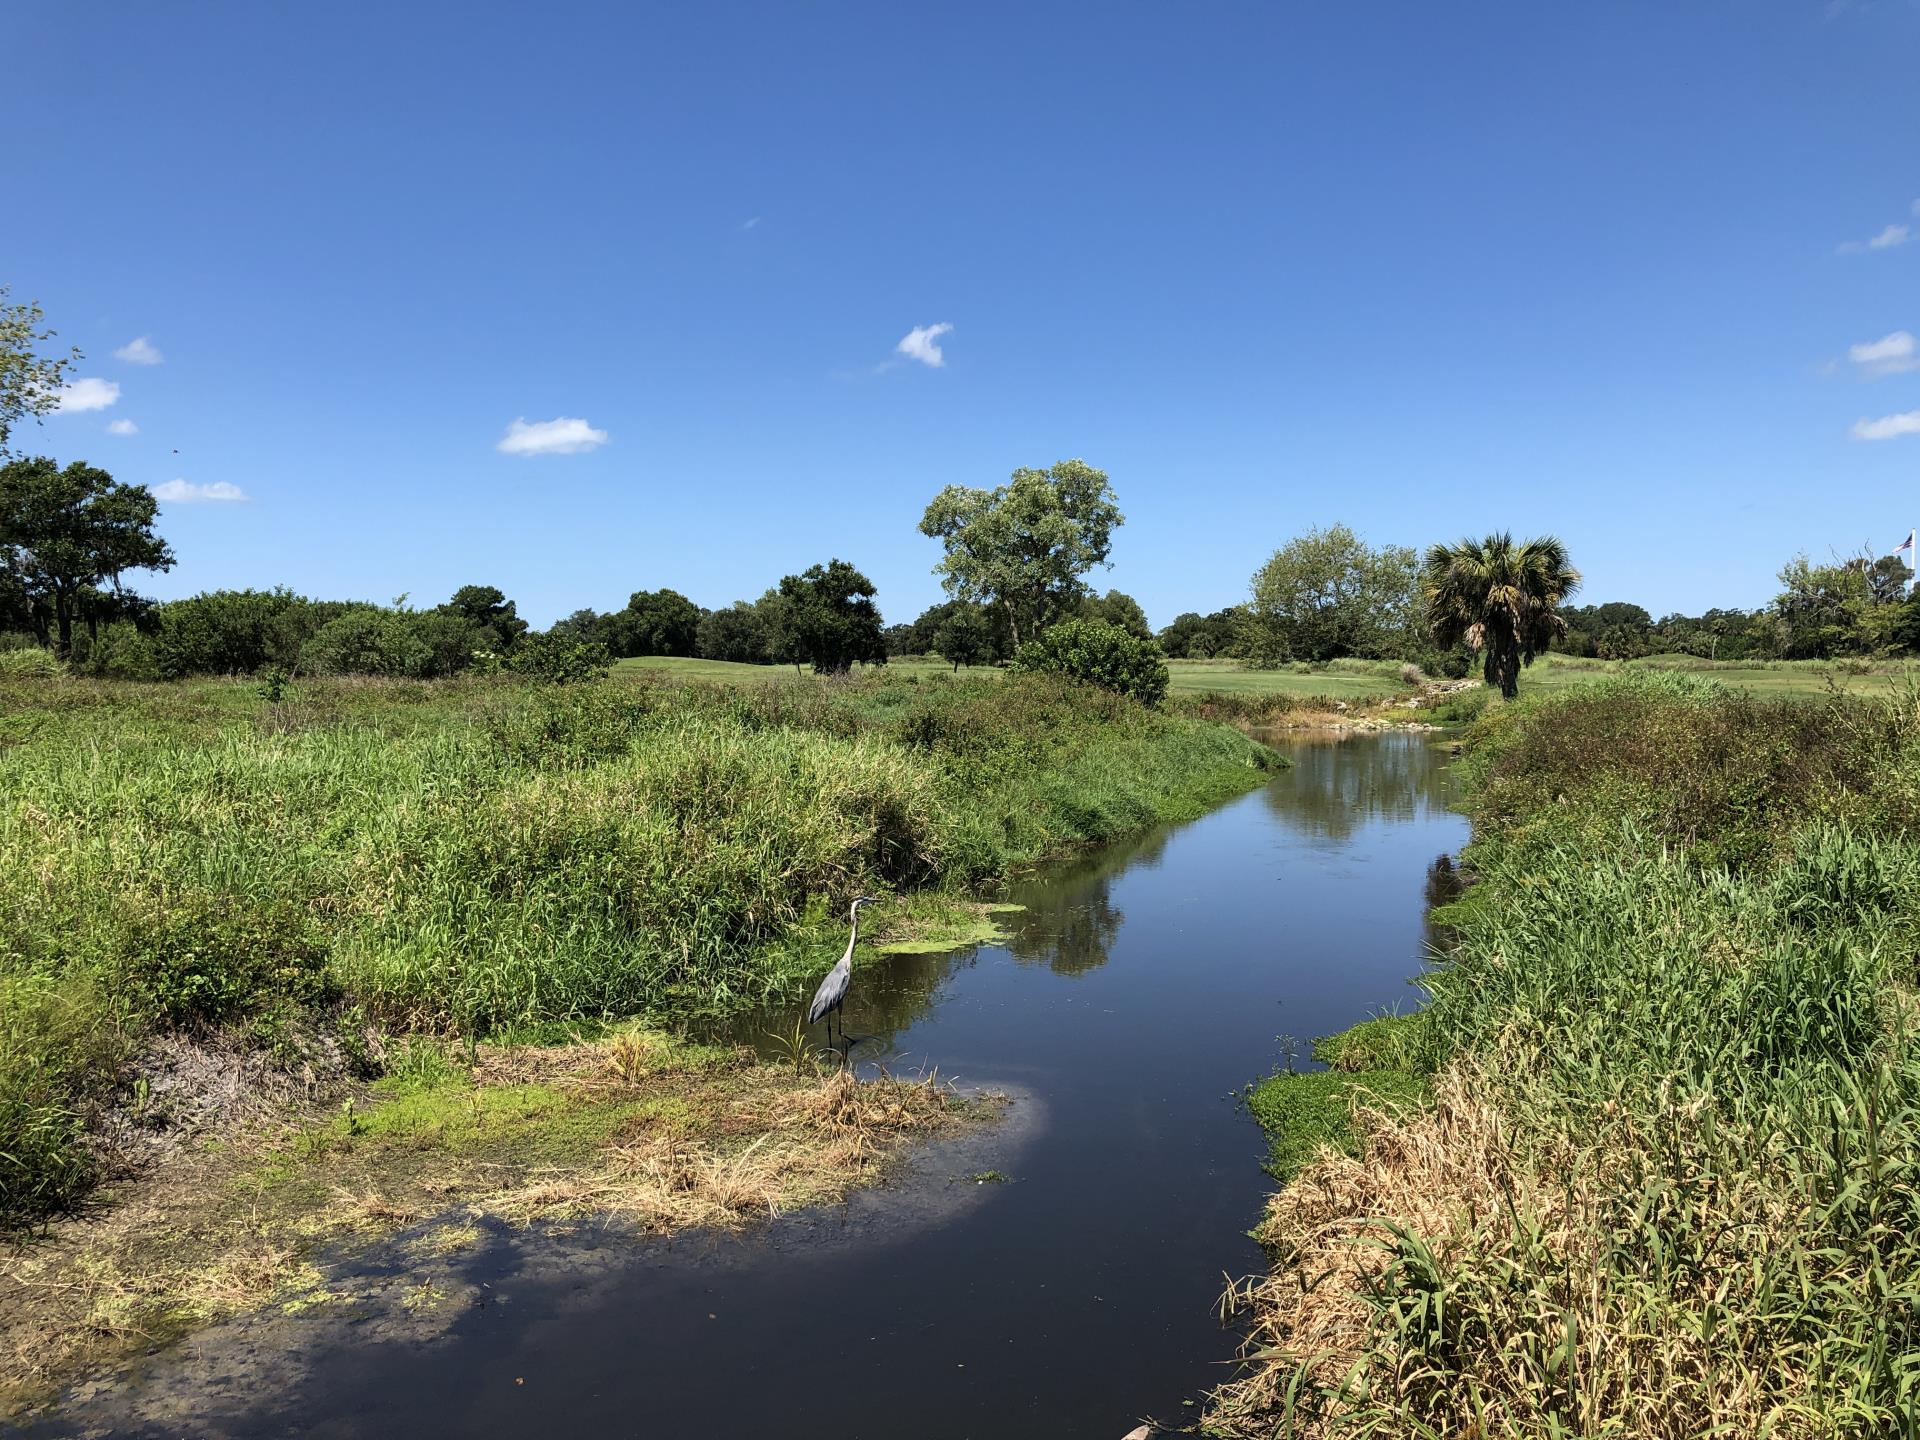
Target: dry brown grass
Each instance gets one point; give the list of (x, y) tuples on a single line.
[(1446, 1280), (660, 1135)]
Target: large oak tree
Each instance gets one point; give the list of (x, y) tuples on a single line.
[(65, 532), (1023, 547)]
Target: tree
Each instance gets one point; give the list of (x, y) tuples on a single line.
[(779, 617), (489, 611), (1326, 594), (1098, 653), (737, 633), (1500, 598), (1193, 636), (1117, 608), (1824, 610), (832, 620), (1023, 547), (655, 622), (1887, 577), (29, 381), (63, 531), (964, 638)]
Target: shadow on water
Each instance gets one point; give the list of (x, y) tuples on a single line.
[(1143, 986)]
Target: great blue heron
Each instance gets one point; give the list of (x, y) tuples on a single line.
[(833, 989)]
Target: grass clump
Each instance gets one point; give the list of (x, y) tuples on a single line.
[(1663, 1186), (305, 870)]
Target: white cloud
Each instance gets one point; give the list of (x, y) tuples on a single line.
[(185, 492), (923, 344), (562, 436), (81, 395), (123, 427), (1887, 239), (1887, 427), (140, 352), (1889, 355), (751, 223)]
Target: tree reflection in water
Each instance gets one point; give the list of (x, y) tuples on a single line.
[(1069, 921), (1331, 792)]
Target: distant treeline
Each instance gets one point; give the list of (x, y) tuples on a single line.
[(1015, 563), (1856, 606)]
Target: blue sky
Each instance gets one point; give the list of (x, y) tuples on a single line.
[(1427, 270)]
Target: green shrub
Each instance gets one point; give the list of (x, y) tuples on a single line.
[(122, 653), (1100, 654), (33, 664), (369, 641), (561, 660)]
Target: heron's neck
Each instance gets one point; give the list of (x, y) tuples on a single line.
[(854, 938)]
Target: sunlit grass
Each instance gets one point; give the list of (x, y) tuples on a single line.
[(476, 858), (1664, 1183)]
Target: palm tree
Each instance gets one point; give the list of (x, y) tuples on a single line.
[(1500, 598)]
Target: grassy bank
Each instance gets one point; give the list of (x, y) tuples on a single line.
[(1662, 1185), (306, 876)]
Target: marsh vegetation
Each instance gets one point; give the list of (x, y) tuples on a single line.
[(1660, 1184)]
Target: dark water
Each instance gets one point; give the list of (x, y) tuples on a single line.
[(1145, 986)]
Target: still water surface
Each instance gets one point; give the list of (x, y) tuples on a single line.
[(1144, 986)]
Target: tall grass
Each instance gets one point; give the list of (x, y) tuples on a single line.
[(1667, 1186), (472, 856)]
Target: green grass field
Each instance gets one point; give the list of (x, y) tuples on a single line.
[(1355, 680), (1189, 676), (1763, 679)]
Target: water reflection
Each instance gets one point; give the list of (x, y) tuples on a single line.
[(1341, 783), (1068, 922), (1443, 887)]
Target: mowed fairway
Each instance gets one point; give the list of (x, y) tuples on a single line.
[(1369, 680), (1768, 678), (1192, 676)]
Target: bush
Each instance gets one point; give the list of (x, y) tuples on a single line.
[(122, 653), (560, 660), (1101, 654), (368, 642), (234, 632), (34, 664)]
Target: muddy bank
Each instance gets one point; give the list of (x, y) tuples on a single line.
[(392, 1303), (373, 1209)]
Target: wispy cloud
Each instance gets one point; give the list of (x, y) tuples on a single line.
[(1889, 355), (751, 223), (185, 492), (1887, 427), (140, 352), (123, 427), (79, 396), (1888, 238), (563, 435), (922, 343)]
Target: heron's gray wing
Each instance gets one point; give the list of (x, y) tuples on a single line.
[(832, 991)]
